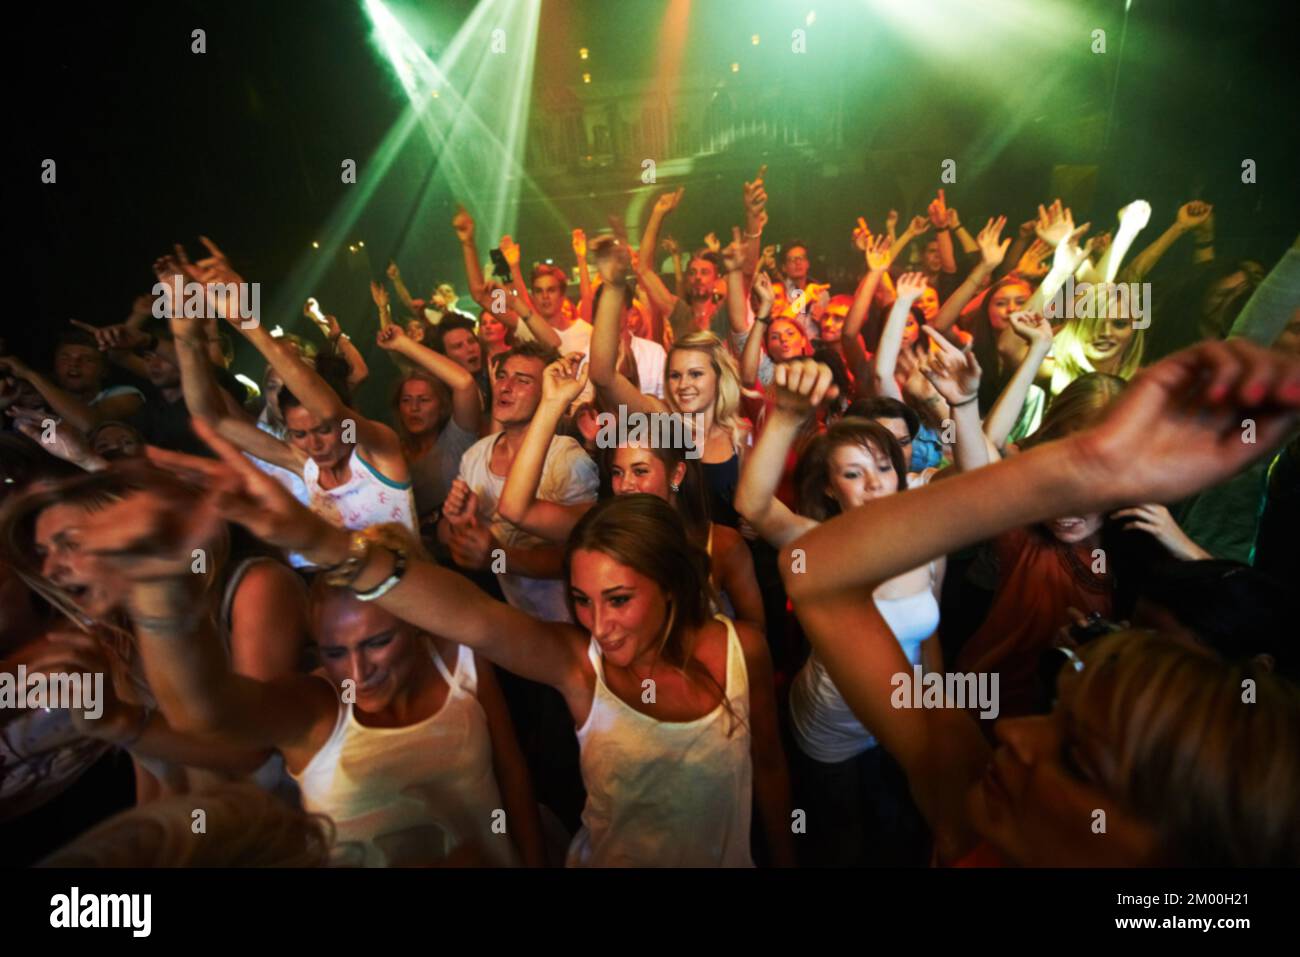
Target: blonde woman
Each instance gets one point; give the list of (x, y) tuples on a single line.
[(701, 382), (1106, 341)]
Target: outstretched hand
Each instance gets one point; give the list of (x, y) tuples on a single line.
[(1189, 422), (954, 373), (564, 379)]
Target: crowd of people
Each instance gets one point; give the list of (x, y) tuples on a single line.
[(487, 629)]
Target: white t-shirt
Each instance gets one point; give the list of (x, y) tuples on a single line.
[(650, 359), (569, 477)]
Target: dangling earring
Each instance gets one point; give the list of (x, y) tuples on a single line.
[(675, 487)]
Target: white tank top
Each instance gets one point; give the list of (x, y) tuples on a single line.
[(666, 793), (824, 727), (367, 498), (410, 796)]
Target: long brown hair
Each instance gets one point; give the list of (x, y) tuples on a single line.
[(647, 534)]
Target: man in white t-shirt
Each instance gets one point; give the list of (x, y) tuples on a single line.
[(532, 580)]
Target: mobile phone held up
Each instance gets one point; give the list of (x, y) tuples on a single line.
[(499, 264)]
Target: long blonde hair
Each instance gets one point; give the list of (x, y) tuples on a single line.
[(1205, 752), (726, 407), (1071, 341)]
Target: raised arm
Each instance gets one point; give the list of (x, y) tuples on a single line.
[(463, 224), (938, 211), (318, 398), (1176, 430), (910, 286), (585, 291), (562, 382), (434, 599), (878, 259), (510, 249), (751, 356), (338, 343), (403, 294), (466, 407), (615, 389), (955, 375), (1192, 217), (1133, 218), (660, 297), (1002, 418), (1056, 229), (992, 251), (917, 227), (800, 385)]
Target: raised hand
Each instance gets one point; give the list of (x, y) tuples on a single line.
[(756, 195), (1031, 327), (764, 294), (938, 210), (1194, 214), (563, 380), (510, 249), (991, 251), (954, 221), (918, 225), (667, 202), (711, 241), (242, 493), (392, 272), (463, 223), (391, 338), (768, 259), (1190, 421), (1056, 225), (862, 235), (669, 245), (891, 222), (378, 294), (910, 285), (119, 336), (65, 440), (580, 244), (1032, 264), (801, 385), (216, 268), (733, 257), (1135, 215), (954, 373), (1029, 227), (152, 535), (879, 254)]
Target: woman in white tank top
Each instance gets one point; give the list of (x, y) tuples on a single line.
[(402, 739), (676, 710)]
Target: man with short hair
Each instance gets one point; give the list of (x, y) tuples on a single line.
[(531, 579)]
